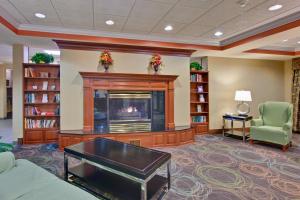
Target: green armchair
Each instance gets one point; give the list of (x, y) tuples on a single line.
[(274, 124)]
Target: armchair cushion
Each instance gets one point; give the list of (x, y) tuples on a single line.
[(270, 134), (256, 122), (7, 161)]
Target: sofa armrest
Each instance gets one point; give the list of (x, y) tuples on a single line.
[(7, 161), (256, 122)]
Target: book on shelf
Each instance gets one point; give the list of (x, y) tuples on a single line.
[(45, 98), (200, 88), (57, 111), (199, 108), (201, 98), (29, 72), (199, 119), (196, 78), (43, 123), (44, 74), (56, 98), (30, 98), (32, 110), (45, 85)]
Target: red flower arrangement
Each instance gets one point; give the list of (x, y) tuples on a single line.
[(156, 62), (105, 58)]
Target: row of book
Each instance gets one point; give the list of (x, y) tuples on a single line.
[(199, 119), (196, 78), (31, 98), (43, 123), (32, 110), (31, 73)]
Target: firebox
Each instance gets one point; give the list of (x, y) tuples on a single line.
[(128, 111)]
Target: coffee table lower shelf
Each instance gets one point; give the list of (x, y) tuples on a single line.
[(111, 186)]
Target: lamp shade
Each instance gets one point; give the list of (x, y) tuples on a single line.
[(242, 95)]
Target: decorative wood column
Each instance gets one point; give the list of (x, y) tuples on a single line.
[(126, 82)]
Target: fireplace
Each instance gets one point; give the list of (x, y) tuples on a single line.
[(128, 111)]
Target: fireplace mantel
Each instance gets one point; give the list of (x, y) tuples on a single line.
[(125, 81)]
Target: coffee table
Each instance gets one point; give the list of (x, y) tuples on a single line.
[(116, 170)]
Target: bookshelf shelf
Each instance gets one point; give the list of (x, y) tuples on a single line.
[(42, 129), (42, 78), (40, 116), (198, 113), (203, 82), (199, 103), (41, 83), (199, 72), (42, 91), (32, 104)]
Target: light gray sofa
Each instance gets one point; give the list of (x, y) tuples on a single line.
[(23, 180)]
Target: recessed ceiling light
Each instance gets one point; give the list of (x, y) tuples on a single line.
[(218, 33), (298, 42), (52, 52), (40, 15), (110, 22), (168, 28), (285, 40), (275, 7)]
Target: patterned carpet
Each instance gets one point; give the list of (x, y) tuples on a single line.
[(213, 168)]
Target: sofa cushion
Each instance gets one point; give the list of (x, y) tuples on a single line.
[(7, 161), (271, 134), (23, 178), (57, 190), (275, 113), (27, 181)]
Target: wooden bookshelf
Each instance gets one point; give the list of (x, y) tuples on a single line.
[(41, 103), (199, 106)]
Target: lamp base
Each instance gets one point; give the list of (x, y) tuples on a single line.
[(243, 108)]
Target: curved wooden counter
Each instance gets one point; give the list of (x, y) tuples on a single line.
[(175, 137)]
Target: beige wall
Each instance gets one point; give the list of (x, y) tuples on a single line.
[(73, 61), (288, 80), (2, 91), (20, 55), (265, 79)]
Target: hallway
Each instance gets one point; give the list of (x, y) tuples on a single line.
[(6, 131)]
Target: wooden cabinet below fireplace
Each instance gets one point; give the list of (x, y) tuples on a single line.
[(149, 139)]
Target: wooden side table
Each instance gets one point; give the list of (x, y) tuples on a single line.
[(239, 118)]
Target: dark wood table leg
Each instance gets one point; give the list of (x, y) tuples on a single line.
[(66, 167), (169, 175)]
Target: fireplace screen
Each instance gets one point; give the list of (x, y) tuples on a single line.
[(128, 111)]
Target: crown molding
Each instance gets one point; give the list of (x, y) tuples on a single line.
[(53, 29), (273, 52), (91, 46)]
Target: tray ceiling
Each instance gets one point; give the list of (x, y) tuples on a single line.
[(193, 20)]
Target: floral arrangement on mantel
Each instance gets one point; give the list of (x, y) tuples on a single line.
[(156, 63), (106, 60)]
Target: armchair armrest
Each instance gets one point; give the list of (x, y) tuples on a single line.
[(256, 122), (287, 126)]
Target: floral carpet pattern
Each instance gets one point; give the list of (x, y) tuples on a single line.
[(213, 168)]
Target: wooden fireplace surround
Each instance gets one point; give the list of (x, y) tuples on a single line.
[(126, 82), (122, 81)]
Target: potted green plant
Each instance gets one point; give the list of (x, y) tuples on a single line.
[(195, 66), (39, 58)]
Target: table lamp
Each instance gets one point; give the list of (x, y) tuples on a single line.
[(243, 96)]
